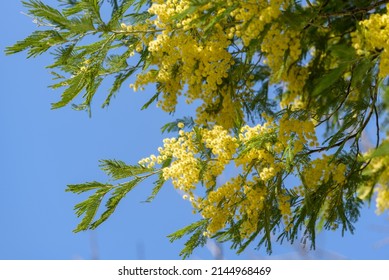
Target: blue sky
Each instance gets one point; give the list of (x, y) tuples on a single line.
[(44, 150)]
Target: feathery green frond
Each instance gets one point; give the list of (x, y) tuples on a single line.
[(282, 89), (173, 126), (43, 12), (37, 43), (89, 208), (117, 169), (160, 182), (75, 86), (117, 195), (80, 188), (198, 239)]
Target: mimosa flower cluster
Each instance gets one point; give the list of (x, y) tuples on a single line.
[(372, 38), (186, 59)]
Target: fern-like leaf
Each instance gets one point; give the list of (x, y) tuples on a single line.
[(117, 169), (118, 194)]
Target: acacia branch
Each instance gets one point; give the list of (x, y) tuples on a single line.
[(354, 135)]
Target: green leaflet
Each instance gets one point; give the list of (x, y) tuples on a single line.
[(37, 43), (329, 79), (173, 126), (91, 7), (44, 12), (119, 80), (344, 53), (341, 93), (382, 150), (118, 194), (117, 169), (75, 86), (118, 13), (78, 36), (197, 239), (386, 96), (90, 206), (150, 101)]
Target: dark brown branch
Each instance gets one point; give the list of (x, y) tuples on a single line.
[(356, 11)]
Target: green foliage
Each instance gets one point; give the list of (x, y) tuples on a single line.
[(116, 170), (173, 126), (160, 182), (37, 43), (382, 150), (82, 65), (197, 238), (343, 94)]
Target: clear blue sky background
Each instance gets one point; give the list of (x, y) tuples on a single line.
[(41, 151)]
